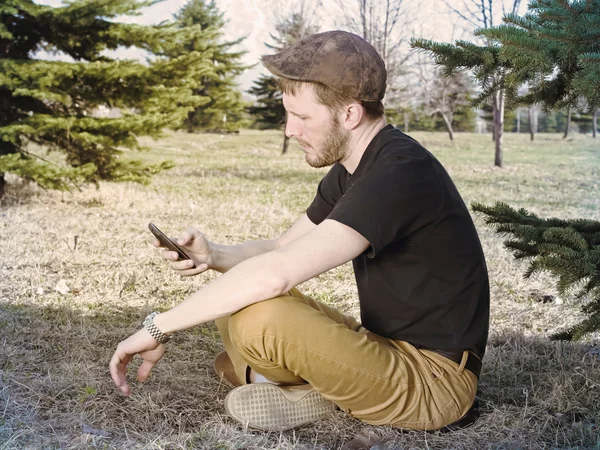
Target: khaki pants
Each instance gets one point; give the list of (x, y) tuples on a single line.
[(294, 339)]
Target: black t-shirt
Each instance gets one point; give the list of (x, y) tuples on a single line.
[(423, 279)]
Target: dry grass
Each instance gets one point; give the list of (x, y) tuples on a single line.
[(55, 390)]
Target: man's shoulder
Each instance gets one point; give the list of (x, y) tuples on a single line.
[(393, 141)]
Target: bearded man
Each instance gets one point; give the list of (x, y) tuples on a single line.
[(388, 206)]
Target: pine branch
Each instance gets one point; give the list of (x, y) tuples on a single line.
[(567, 249), (579, 331)]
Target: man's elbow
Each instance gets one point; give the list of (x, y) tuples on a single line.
[(277, 280), (269, 282)]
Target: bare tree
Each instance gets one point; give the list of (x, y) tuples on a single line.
[(386, 24), (533, 113), (482, 14), (443, 95)]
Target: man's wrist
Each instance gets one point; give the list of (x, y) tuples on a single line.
[(156, 330), (216, 256)]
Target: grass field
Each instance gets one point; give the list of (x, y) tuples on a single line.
[(55, 389)]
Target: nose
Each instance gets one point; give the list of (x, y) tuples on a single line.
[(292, 126)]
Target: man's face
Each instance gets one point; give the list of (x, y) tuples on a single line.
[(316, 129)]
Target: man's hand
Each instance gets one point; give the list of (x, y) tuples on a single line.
[(197, 248), (141, 343)]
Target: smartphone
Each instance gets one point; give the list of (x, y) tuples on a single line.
[(168, 243)]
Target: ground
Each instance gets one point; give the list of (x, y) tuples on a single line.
[(55, 389)]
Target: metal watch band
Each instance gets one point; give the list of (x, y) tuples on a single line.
[(153, 329)]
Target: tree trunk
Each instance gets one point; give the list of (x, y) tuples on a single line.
[(595, 123), (518, 120), (2, 183), (286, 142), (189, 122), (568, 126), (448, 124), (494, 114), (532, 122), (407, 121), (498, 106)]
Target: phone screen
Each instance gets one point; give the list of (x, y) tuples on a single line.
[(166, 242)]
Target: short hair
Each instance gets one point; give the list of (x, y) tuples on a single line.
[(329, 97)]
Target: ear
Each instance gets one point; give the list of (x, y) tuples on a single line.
[(353, 115)]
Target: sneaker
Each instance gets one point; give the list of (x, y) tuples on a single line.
[(266, 406), (224, 368)]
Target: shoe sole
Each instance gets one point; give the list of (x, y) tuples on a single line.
[(265, 406)]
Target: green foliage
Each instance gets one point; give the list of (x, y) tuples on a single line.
[(568, 249), (553, 48), (268, 110), (224, 109), (484, 62), (464, 117), (52, 103)]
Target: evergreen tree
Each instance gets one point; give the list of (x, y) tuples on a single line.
[(583, 122), (224, 110), (288, 30), (464, 117), (568, 249), (554, 48), (48, 103), (552, 121), (268, 110), (510, 120)]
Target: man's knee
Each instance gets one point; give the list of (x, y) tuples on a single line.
[(259, 319)]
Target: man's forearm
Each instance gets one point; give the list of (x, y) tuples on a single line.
[(227, 256), (245, 284)]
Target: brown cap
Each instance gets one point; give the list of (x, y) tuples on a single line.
[(343, 61)]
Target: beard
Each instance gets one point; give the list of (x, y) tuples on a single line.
[(332, 149)]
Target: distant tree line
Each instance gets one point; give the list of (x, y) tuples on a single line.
[(552, 51), (51, 132)]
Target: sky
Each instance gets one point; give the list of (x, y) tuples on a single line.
[(253, 19)]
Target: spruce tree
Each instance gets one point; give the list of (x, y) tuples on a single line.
[(47, 105), (224, 110), (554, 49), (268, 110), (568, 249)]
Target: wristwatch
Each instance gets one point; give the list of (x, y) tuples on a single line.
[(153, 329)]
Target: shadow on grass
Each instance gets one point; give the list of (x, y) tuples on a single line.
[(55, 391)]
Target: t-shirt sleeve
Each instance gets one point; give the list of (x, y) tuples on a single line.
[(397, 196), (328, 193)]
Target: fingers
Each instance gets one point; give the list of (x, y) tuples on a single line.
[(144, 370), (188, 236), (190, 272), (118, 369), (169, 255)]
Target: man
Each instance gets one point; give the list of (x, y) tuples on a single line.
[(388, 206)]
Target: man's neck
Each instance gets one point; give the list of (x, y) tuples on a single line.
[(360, 140)]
